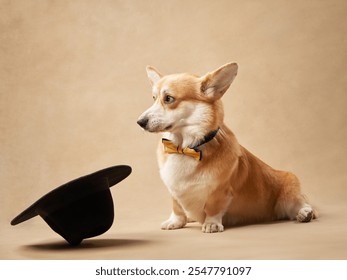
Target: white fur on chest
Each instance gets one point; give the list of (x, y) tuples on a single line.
[(186, 185)]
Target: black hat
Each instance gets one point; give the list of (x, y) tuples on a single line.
[(81, 208)]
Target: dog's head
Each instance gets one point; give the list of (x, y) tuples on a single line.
[(185, 101)]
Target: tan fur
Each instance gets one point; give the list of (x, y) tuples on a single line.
[(229, 186)]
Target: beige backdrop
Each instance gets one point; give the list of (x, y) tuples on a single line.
[(73, 83)]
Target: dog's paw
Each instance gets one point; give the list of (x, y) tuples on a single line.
[(212, 227), (174, 222), (305, 214)]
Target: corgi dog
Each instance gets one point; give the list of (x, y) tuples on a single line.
[(212, 179)]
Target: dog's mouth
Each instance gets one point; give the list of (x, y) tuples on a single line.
[(165, 129), (168, 127), (158, 129)]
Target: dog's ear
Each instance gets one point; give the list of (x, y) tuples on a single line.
[(215, 84), (153, 75)]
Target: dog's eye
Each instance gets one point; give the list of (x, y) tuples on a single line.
[(169, 99), (154, 97)]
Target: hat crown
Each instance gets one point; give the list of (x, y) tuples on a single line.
[(81, 208)]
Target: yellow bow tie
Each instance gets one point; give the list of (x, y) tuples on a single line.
[(170, 148)]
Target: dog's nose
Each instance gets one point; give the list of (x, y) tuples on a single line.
[(142, 122)]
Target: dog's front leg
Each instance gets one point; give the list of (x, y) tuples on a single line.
[(215, 208), (178, 218)]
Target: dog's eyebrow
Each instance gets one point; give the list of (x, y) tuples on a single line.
[(164, 91)]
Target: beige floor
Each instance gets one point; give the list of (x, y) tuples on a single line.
[(322, 239), (73, 84)]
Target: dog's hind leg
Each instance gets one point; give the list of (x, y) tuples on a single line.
[(305, 214), (291, 203)]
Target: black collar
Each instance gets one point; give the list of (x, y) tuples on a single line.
[(207, 138)]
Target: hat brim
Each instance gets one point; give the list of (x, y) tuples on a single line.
[(89, 183)]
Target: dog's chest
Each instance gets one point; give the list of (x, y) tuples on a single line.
[(186, 184)]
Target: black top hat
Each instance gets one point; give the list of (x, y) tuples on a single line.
[(81, 208)]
